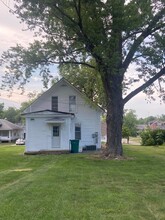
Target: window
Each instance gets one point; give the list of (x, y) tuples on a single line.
[(4, 133), (56, 131), (72, 103), (55, 103), (77, 131)]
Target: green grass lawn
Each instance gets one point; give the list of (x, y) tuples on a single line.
[(81, 186)]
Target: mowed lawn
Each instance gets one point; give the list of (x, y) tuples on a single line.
[(81, 186)]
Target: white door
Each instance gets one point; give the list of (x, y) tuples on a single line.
[(56, 136)]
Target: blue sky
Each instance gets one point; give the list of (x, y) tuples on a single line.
[(11, 33)]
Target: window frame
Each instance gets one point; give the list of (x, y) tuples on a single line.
[(54, 103), (4, 133), (72, 103), (78, 132), (56, 131)]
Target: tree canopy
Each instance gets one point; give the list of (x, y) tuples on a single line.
[(87, 80), (74, 31), (115, 34)]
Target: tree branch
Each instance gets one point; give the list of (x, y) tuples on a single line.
[(131, 34), (149, 30), (79, 29), (67, 62), (145, 85), (78, 63), (64, 14)]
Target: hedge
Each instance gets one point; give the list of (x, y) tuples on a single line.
[(152, 137)]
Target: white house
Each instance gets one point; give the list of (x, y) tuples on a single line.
[(9, 131), (59, 115)]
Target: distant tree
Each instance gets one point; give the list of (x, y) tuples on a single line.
[(12, 115), (32, 97), (126, 133), (162, 118), (146, 120), (151, 118), (130, 122), (116, 34), (141, 121), (1, 110), (24, 105)]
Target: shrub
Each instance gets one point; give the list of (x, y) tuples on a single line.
[(152, 137), (146, 138), (163, 132)]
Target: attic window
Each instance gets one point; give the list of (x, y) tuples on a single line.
[(72, 103), (55, 103)]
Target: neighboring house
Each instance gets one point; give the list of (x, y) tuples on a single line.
[(9, 131), (59, 115), (140, 128), (153, 125)]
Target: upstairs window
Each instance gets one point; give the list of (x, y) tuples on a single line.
[(77, 131), (55, 103), (72, 103)]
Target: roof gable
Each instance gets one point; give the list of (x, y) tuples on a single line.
[(62, 83)]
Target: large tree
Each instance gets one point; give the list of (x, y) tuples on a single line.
[(115, 33)]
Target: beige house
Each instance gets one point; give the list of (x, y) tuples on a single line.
[(9, 131)]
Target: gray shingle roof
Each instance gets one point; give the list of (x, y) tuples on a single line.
[(8, 126)]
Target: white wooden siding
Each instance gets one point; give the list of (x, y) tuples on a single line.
[(39, 133)]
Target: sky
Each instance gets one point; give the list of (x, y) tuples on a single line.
[(13, 32)]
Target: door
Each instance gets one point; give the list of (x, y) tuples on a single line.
[(56, 137)]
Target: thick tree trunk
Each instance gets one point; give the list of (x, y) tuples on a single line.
[(114, 130), (112, 74), (113, 90), (114, 126)]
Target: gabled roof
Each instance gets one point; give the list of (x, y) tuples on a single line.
[(82, 94), (8, 126), (64, 82)]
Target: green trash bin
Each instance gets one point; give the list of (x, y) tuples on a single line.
[(74, 146)]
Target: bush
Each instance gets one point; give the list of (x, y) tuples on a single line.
[(163, 131), (152, 137)]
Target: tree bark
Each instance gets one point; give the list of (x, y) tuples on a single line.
[(114, 119)]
